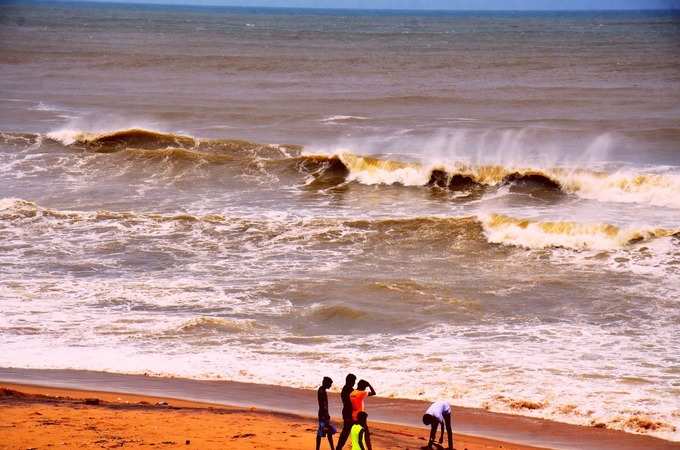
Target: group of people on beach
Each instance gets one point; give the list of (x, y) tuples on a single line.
[(355, 419)]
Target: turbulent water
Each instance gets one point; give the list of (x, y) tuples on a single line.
[(480, 207)]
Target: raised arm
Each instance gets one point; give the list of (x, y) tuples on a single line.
[(372, 392)]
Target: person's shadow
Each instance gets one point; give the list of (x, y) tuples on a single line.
[(435, 446)]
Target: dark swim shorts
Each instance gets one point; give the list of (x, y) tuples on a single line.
[(325, 427)]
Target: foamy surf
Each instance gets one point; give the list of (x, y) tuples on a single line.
[(333, 120), (527, 233), (66, 136), (126, 138), (202, 304), (145, 248), (369, 170), (624, 186), (216, 325), (494, 228), (620, 186), (42, 106)]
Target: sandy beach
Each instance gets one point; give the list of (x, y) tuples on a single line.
[(216, 206), (131, 411), (39, 417)]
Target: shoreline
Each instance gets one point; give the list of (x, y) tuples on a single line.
[(477, 423), (90, 419)]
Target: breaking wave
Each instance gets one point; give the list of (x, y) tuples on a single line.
[(622, 186), (485, 229), (501, 229), (625, 186), (148, 143), (218, 325), (121, 139)]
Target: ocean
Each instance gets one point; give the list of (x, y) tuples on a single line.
[(482, 207)]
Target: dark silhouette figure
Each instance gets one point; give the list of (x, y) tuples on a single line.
[(347, 420), (358, 396), (438, 414), (361, 437), (325, 427)]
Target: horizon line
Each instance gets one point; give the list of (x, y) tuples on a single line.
[(334, 8)]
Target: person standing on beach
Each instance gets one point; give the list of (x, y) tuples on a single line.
[(438, 414), (358, 396), (347, 420), (325, 427), (361, 438)]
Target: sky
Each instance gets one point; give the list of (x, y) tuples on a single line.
[(438, 4)]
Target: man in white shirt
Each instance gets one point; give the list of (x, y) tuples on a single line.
[(438, 414)]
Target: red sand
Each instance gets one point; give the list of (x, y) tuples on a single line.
[(288, 411), (40, 418)]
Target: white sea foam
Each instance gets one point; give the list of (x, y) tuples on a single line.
[(41, 106), (333, 120), (9, 203), (544, 234), (90, 126), (577, 389), (66, 136), (372, 171), (626, 186), (641, 186), (199, 306), (649, 186), (204, 304)]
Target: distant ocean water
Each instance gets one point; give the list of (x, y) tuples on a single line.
[(476, 206)]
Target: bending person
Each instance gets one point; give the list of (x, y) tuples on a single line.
[(438, 414)]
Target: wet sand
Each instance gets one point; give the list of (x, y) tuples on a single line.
[(277, 417), (39, 417)]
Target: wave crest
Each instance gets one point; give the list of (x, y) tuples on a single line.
[(492, 228), (327, 313), (621, 186), (500, 229), (150, 143), (626, 186), (121, 139), (217, 325)]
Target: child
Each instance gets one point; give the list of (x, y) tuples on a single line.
[(325, 427), (360, 436)]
